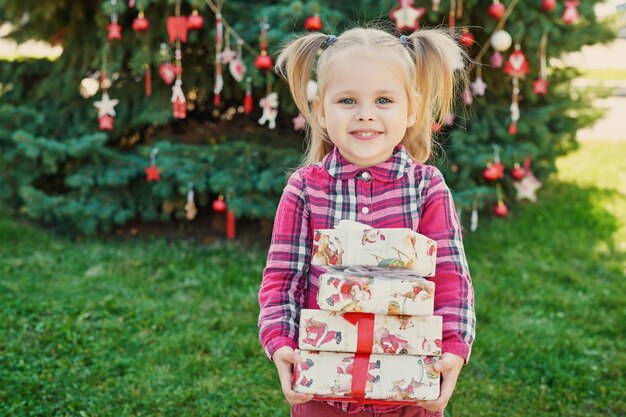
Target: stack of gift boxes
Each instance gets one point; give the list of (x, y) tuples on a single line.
[(375, 339)]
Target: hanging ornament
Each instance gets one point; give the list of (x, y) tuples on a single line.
[(190, 207), (548, 5), (496, 10), (468, 99), (177, 28), (570, 15), (435, 5), (247, 100), (89, 87), (313, 23), (179, 102), (528, 186), (496, 60), (299, 122), (152, 172), (494, 171), (167, 73), (269, 104), (230, 224), (466, 38), (540, 85), (474, 216), (478, 86), (195, 21), (219, 205), (227, 54), (500, 210), (236, 67), (518, 172), (140, 23), (456, 12), (517, 65), (405, 16), (263, 62), (501, 40), (106, 111), (219, 79), (148, 80), (114, 28), (448, 119)]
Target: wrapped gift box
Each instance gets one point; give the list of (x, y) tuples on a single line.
[(369, 333), (353, 244), (363, 377), (341, 291)]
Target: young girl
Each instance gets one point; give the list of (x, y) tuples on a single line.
[(370, 134)]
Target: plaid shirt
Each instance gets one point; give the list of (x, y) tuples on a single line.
[(396, 193)]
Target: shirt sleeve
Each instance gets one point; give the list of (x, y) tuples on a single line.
[(283, 288), (454, 294)]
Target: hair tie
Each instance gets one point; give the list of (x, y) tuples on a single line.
[(330, 39), (404, 40)]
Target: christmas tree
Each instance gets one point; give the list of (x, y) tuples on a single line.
[(178, 88)]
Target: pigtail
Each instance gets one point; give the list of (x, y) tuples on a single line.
[(295, 64), (439, 62)]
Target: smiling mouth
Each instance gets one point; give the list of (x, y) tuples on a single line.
[(365, 134)]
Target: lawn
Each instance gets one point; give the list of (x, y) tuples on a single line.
[(149, 327)]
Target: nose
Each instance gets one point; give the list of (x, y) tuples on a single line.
[(365, 113)]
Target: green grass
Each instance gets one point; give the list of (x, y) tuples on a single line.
[(152, 328)]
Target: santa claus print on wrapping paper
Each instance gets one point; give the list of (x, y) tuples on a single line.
[(343, 382), (406, 391), (325, 251), (351, 289), (318, 334), (300, 378), (390, 343)]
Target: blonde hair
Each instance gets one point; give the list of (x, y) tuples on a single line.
[(433, 70)]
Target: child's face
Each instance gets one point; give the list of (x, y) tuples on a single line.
[(365, 108)]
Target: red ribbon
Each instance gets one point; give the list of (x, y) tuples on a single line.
[(365, 341)]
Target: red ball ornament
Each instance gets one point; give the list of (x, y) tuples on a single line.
[(501, 210), (548, 5), (518, 172), (140, 24), (490, 173), (313, 23), (466, 39), (195, 21), (219, 205), (263, 62), (496, 11)]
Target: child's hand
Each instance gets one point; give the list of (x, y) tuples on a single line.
[(450, 366), (284, 358)]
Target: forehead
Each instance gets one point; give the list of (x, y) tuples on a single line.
[(375, 71)]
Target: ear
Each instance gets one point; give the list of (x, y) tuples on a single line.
[(319, 111), (412, 116)]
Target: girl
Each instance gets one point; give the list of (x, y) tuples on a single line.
[(370, 134)]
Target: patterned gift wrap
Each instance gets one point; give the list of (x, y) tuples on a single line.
[(374, 250), (369, 333), (362, 377), (341, 291)]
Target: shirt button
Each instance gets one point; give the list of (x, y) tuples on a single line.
[(365, 210), (366, 175)]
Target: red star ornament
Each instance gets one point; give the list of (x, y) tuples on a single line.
[(105, 122), (405, 16), (153, 173), (540, 86), (516, 65)]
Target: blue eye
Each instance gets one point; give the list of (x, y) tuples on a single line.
[(383, 100), (346, 101)]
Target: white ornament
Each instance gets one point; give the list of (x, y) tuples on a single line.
[(527, 187), (227, 55), (269, 105), (106, 105), (479, 87), (89, 87), (501, 40), (237, 69)]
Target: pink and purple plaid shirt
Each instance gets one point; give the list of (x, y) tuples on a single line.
[(396, 193)]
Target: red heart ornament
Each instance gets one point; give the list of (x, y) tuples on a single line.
[(167, 73)]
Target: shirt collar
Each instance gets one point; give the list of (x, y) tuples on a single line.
[(390, 170)]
